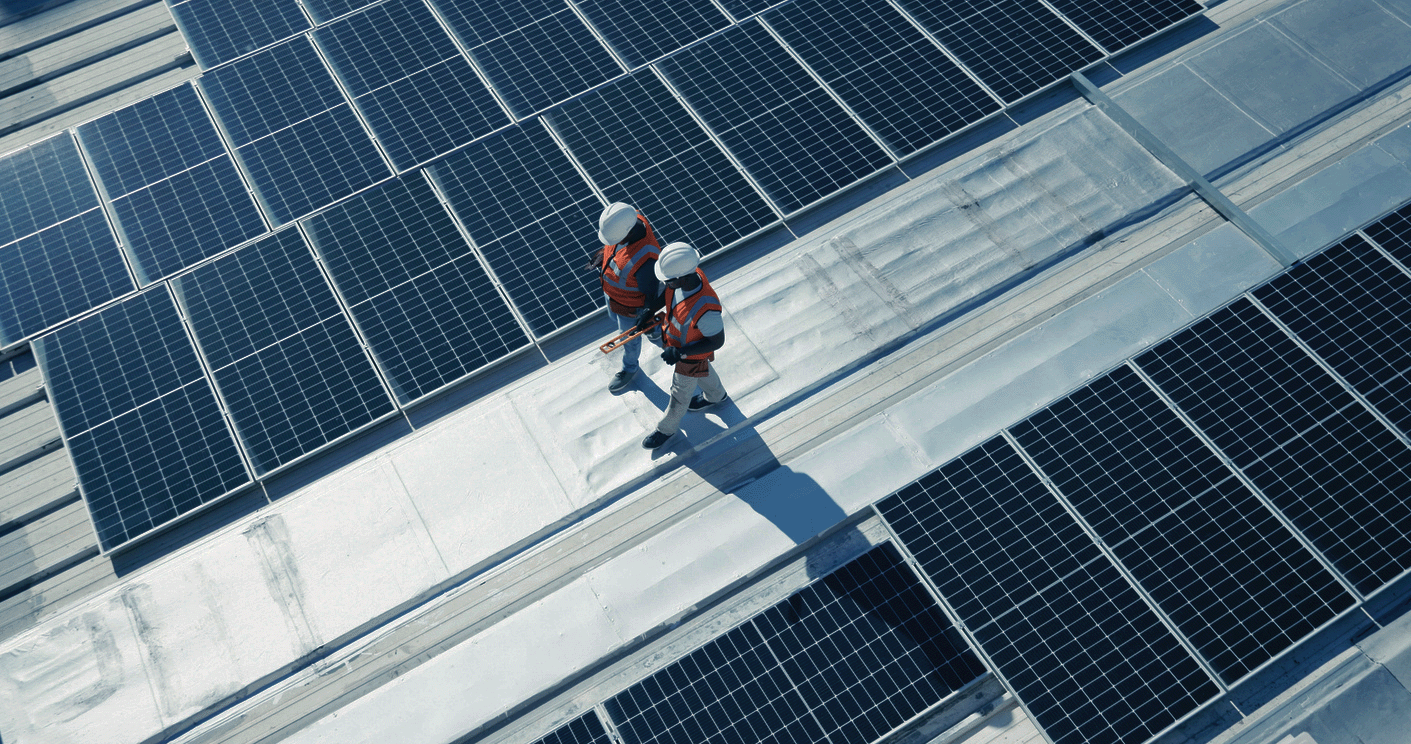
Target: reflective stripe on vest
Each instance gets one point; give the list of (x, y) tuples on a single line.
[(620, 265), (681, 330)]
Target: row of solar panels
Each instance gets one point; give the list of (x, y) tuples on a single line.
[(402, 285), (1121, 557)]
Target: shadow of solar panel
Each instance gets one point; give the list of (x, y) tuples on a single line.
[(1015, 46), (535, 54), (586, 729), (300, 143), (731, 689), (534, 219), (1339, 474), (1234, 580), (58, 273), (324, 11), (642, 30), (42, 185), (867, 647), (899, 83), (797, 142), (1353, 308), (147, 439), (420, 96), (1118, 24), (221, 30), (428, 310), (283, 356), (1393, 232), (641, 146), (1090, 660), (150, 140)]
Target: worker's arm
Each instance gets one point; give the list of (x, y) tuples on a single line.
[(656, 297), (712, 326)]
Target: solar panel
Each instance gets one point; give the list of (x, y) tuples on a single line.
[(640, 146), (1339, 474), (905, 88), (42, 185), (1015, 46), (299, 141), (533, 218), (220, 30), (283, 356), (420, 96), (534, 53), (326, 10), (1117, 25), (146, 436), (1353, 308), (1393, 232), (420, 297), (1231, 577), (1090, 660), (586, 729), (741, 9), (150, 140), (58, 273), (642, 30), (797, 142), (867, 647)]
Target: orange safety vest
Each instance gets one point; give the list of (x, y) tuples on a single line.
[(619, 271), (679, 327)]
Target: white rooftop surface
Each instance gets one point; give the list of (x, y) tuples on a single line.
[(859, 357)]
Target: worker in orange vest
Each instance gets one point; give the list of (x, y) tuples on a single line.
[(692, 329), (626, 264)]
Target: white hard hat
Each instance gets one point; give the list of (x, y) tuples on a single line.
[(676, 259), (616, 222)]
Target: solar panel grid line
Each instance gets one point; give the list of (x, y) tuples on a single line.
[(1105, 51), (1112, 558), (1253, 488), (489, 269), (598, 34), (876, 138), (1385, 253), (351, 102), (105, 205), (1328, 368), (719, 143), (229, 144), (793, 683), (480, 73)]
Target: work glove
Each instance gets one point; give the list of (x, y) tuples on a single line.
[(645, 319), (671, 355)]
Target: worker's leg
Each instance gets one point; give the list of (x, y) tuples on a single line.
[(682, 388), (631, 350), (711, 386)]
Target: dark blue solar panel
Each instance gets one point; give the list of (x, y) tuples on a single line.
[(419, 94), (535, 55), (867, 647), (427, 308), (221, 30), (1223, 568), (640, 146), (270, 90), (147, 438), (1117, 24), (41, 185), (744, 8), (150, 140), (116, 360), (788, 133), (326, 10), (1339, 474), (642, 30), (585, 729), (1090, 660), (195, 214), (1353, 308), (282, 353), (533, 218), (153, 464), (906, 90), (1015, 46), (58, 273), (1393, 232)]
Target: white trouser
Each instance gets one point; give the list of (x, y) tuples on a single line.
[(682, 388)]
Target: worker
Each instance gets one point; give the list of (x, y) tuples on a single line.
[(626, 264), (692, 330)]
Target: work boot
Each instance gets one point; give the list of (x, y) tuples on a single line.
[(620, 381), (655, 440), (699, 403)]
